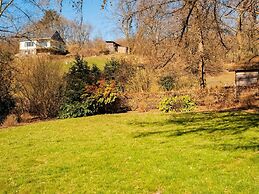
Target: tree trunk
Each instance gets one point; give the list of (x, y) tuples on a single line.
[(202, 62), (202, 73), (240, 36)]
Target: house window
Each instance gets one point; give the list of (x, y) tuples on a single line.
[(43, 44), (29, 44)]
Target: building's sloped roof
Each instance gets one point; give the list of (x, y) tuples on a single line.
[(45, 35), (110, 41), (56, 36)]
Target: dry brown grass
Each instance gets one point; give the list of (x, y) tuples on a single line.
[(11, 120), (224, 79), (210, 99)]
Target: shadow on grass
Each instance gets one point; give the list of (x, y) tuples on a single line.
[(252, 146), (216, 125)]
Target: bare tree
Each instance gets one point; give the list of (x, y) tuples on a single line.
[(14, 15), (194, 27), (4, 6), (52, 21)]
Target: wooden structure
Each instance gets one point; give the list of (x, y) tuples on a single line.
[(247, 72), (114, 47)]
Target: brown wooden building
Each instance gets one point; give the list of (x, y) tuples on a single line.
[(247, 72), (114, 47)]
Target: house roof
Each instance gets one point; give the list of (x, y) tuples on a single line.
[(110, 41), (246, 65), (46, 36), (57, 36)]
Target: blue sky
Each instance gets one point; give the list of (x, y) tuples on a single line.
[(100, 19), (103, 26)]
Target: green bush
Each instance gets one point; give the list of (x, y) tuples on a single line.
[(167, 82), (78, 109), (87, 95), (99, 99), (119, 71), (110, 69), (96, 74), (77, 78), (106, 96), (177, 104)]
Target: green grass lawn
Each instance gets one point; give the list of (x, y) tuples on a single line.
[(99, 61), (133, 153), (102, 59)]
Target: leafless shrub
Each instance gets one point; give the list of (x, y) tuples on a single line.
[(217, 98), (11, 120), (39, 85), (249, 98), (144, 80), (145, 101)]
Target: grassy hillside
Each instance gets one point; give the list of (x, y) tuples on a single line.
[(133, 153), (226, 78), (100, 60), (97, 60)]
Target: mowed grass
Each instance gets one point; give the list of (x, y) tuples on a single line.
[(133, 153), (99, 61)]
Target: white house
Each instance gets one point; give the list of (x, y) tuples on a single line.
[(53, 44)]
